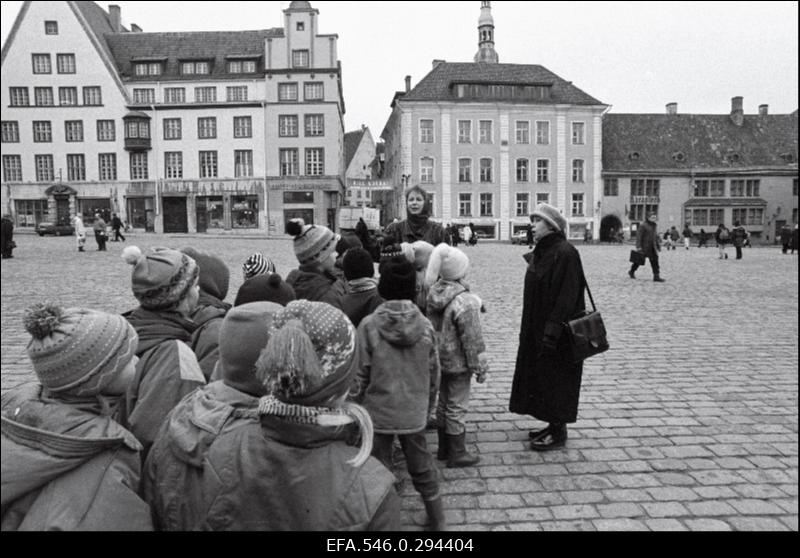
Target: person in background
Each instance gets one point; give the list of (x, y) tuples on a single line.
[(117, 226), (739, 236), (687, 236), (794, 239), (674, 237), (7, 237), (257, 264), (786, 238), (100, 234), (647, 243), (361, 298), (722, 236), (315, 279), (702, 239), (67, 464), (417, 225), (80, 232)]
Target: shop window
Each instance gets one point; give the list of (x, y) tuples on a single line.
[(244, 212)]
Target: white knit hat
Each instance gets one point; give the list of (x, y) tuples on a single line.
[(451, 264)]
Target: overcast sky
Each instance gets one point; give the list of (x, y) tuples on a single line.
[(635, 56)]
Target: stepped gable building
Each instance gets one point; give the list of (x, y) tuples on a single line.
[(701, 170), (489, 141), (176, 132)]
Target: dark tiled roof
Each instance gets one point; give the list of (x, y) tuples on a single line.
[(436, 86), (100, 22), (698, 141), (351, 142), (174, 47)]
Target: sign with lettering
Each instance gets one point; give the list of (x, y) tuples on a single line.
[(647, 200)]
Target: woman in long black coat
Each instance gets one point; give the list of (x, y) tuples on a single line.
[(546, 383)]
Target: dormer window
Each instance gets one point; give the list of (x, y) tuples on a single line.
[(299, 59), (147, 69), (634, 156), (788, 157), (679, 156), (241, 66), (198, 67)]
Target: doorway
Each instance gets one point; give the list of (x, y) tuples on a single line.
[(175, 217), (610, 227)]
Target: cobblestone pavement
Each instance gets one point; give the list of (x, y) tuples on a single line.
[(689, 422)]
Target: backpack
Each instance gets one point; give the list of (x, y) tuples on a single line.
[(724, 234)]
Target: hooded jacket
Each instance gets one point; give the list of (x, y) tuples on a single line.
[(358, 304), (166, 372), (399, 367), (67, 468), (208, 318), (317, 286), (455, 315)]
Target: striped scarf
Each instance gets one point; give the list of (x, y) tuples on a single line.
[(299, 414)]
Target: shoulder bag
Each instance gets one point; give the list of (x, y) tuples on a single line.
[(586, 333)]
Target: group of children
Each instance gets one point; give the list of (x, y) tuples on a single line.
[(277, 413)]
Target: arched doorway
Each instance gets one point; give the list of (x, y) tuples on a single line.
[(609, 227)]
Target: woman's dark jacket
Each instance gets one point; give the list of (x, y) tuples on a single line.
[(405, 231)]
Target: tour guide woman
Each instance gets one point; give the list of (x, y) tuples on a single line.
[(417, 225), (546, 383)]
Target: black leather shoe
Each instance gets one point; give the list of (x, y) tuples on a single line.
[(658, 279), (555, 438), (536, 434)]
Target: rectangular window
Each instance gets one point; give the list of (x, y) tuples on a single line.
[(42, 131), (543, 132), (523, 202), (426, 131), (243, 163), (12, 168), (611, 187), (289, 162), (287, 92), (92, 96), (315, 125), (41, 64), (243, 126), (147, 69), (44, 168), (236, 93), (315, 162), (465, 171), (523, 132), (577, 170), (542, 171), (139, 166), (208, 164), (485, 131), (51, 28), (542, 197), (68, 96), (244, 212), (106, 130), (288, 126), (76, 167), (242, 67), (207, 127), (108, 166), (487, 205), (486, 170), (137, 129), (716, 216), (19, 96), (31, 212), (144, 96), (522, 170), (314, 91), (73, 130), (426, 169), (175, 95), (578, 133), (577, 205), (10, 131), (300, 59), (205, 94), (65, 63), (296, 198), (173, 164), (748, 216), (172, 129), (465, 131), (645, 187), (465, 205), (745, 188), (43, 96), (195, 68)]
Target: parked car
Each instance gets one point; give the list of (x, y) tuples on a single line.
[(53, 229), (520, 237)]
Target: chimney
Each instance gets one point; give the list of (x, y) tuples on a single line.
[(437, 62), (135, 28), (672, 108), (408, 84), (115, 13), (737, 112), (763, 110)]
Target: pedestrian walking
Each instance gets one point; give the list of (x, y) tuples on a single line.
[(80, 232), (546, 382), (674, 237), (786, 238), (647, 243), (739, 236), (257, 264), (67, 464), (100, 234), (315, 249), (7, 237), (117, 226), (687, 236), (398, 378), (722, 237), (454, 312), (702, 239), (362, 232), (417, 225)]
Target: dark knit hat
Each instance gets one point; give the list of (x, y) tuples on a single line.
[(389, 251), (398, 279), (78, 351), (347, 240), (257, 265), (161, 278), (242, 336), (311, 355), (214, 274), (269, 288), (357, 263), (312, 243)]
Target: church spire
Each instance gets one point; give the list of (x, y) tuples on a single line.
[(486, 52)]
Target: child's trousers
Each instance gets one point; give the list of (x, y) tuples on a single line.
[(418, 460), (451, 412)]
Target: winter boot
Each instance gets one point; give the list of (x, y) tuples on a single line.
[(441, 453), (458, 456), (436, 520)]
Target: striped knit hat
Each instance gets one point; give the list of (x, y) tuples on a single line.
[(78, 351), (312, 243), (161, 278), (257, 265)]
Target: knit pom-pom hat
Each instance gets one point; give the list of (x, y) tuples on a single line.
[(357, 263), (78, 351), (257, 265), (451, 264), (398, 279), (418, 253), (269, 288), (312, 243), (162, 277)]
